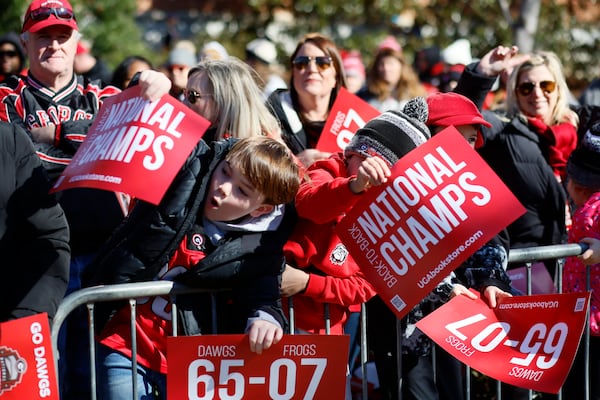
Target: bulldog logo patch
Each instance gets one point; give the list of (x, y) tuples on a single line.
[(339, 255)]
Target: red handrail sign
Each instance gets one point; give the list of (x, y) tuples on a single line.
[(527, 341)]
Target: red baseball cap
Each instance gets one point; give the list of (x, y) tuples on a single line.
[(44, 13), (451, 108)]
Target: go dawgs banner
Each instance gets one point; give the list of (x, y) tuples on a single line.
[(441, 204), (135, 146), (26, 360), (526, 341)]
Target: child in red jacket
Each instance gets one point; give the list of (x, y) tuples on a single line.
[(320, 270)]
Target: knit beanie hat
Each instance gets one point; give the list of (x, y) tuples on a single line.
[(392, 134), (451, 108), (583, 166)]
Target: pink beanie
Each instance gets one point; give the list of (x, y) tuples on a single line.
[(353, 64)]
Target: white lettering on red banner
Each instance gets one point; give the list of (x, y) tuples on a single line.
[(222, 367), (27, 361), (348, 113), (134, 141), (527, 341), (437, 208)]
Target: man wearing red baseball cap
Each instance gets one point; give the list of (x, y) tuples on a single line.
[(454, 109), (43, 13), (55, 105)]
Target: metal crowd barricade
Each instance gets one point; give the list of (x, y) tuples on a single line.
[(133, 291), (128, 291)]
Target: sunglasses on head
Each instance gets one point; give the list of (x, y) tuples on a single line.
[(43, 13), (322, 62), (526, 88), (192, 96), (8, 53)]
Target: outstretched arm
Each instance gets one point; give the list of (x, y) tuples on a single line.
[(347, 291)]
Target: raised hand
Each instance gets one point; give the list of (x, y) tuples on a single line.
[(501, 59)]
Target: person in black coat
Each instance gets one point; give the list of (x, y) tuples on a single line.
[(527, 147), (34, 235), (220, 226)]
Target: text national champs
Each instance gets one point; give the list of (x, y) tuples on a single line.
[(430, 222)]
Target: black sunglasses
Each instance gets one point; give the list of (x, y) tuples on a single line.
[(43, 13), (8, 53), (192, 96), (322, 62), (526, 88)]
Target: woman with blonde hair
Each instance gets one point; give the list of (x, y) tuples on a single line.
[(391, 81), (529, 141), (559, 110), (225, 93)]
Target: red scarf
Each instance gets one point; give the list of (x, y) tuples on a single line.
[(561, 139)]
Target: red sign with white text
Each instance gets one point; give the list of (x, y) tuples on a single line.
[(527, 341), (135, 146), (223, 367), (348, 113), (441, 204), (26, 359)]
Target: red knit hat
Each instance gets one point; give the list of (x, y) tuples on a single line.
[(451, 108), (44, 13)]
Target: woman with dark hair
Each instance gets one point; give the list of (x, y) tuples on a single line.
[(317, 75), (127, 69), (391, 81)]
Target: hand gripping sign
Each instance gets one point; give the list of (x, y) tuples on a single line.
[(348, 113), (223, 367), (526, 341), (440, 205), (135, 146), (26, 359)]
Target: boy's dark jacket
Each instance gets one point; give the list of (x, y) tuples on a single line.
[(248, 263)]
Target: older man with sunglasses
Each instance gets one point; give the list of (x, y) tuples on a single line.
[(53, 104), (56, 107)]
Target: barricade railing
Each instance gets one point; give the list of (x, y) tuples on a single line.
[(133, 291), (127, 291)]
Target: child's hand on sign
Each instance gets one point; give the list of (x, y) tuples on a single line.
[(493, 294), (262, 334), (371, 171), (458, 289), (490, 294)]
